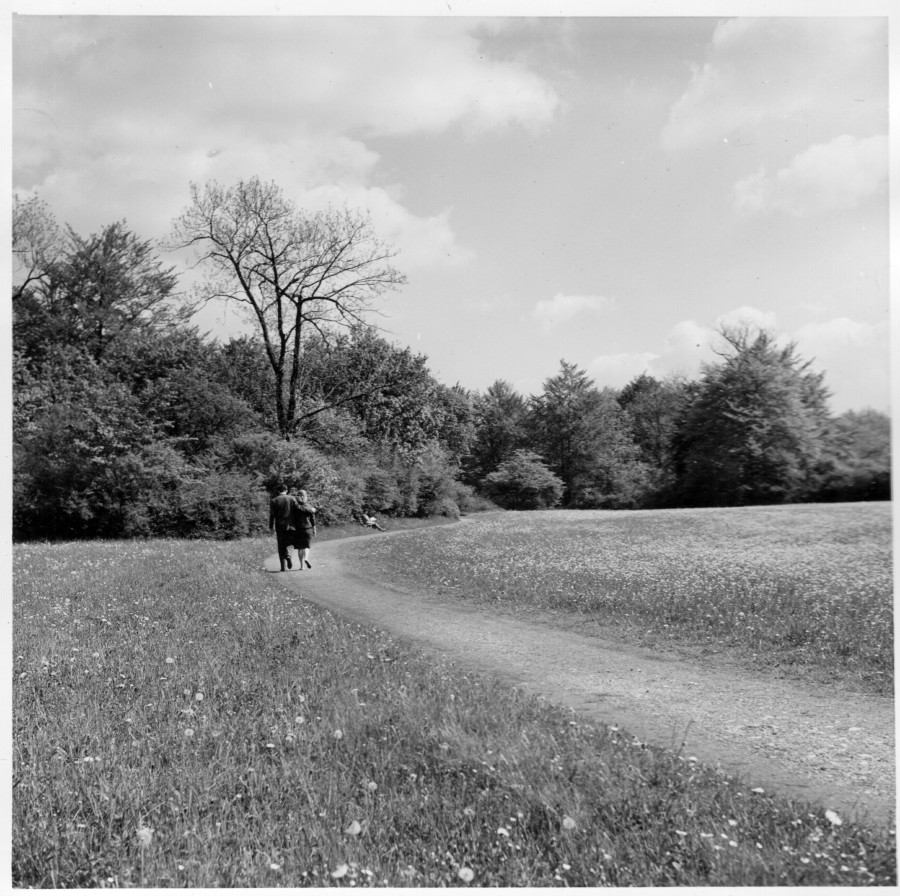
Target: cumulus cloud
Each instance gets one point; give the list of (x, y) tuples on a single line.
[(829, 177), (770, 70), (852, 354), (561, 308), (838, 333), (747, 316), (423, 241), (127, 110), (687, 346)]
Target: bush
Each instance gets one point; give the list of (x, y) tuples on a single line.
[(470, 502), (300, 466), (381, 491), (524, 482), (215, 505), (437, 485)]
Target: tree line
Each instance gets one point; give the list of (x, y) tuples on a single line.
[(128, 422)]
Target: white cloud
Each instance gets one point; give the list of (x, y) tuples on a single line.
[(423, 241), (833, 176), (836, 334), (761, 71), (128, 110), (747, 316), (406, 75), (552, 312), (684, 349), (687, 346), (852, 354)]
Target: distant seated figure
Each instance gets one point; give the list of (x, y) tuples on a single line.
[(371, 522)]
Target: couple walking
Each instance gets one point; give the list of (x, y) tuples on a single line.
[(294, 522)]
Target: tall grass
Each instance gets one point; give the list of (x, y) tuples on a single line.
[(182, 719), (807, 586)]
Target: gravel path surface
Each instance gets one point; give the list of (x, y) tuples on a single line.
[(802, 740)]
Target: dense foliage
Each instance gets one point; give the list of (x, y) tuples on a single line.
[(126, 421)]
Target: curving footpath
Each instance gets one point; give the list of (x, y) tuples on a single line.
[(802, 740)]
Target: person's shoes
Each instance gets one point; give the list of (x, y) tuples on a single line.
[(289, 564), (282, 567), (308, 564)]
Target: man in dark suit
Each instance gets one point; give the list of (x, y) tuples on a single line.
[(281, 510)]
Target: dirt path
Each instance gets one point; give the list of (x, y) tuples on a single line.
[(801, 740)]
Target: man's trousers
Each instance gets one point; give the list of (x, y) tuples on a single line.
[(285, 538)]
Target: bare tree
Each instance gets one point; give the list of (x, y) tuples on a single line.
[(296, 272), (36, 240)]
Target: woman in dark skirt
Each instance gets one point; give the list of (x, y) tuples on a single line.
[(304, 518)]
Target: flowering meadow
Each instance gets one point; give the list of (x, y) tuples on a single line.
[(182, 719), (802, 586)]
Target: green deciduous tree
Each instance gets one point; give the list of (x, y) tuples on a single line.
[(241, 365), (754, 432), (97, 292), (399, 404), (500, 428), (80, 452), (653, 407), (859, 452), (584, 436)]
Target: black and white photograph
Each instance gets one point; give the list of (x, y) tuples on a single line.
[(450, 444)]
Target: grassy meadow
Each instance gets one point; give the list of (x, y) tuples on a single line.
[(182, 719), (807, 588)]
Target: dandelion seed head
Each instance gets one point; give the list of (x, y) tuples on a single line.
[(467, 875), (569, 823), (144, 835)]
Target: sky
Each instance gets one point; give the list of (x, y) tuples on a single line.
[(599, 189)]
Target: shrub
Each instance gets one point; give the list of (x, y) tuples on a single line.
[(381, 491), (524, 482), (471, 502), (300, 466)]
